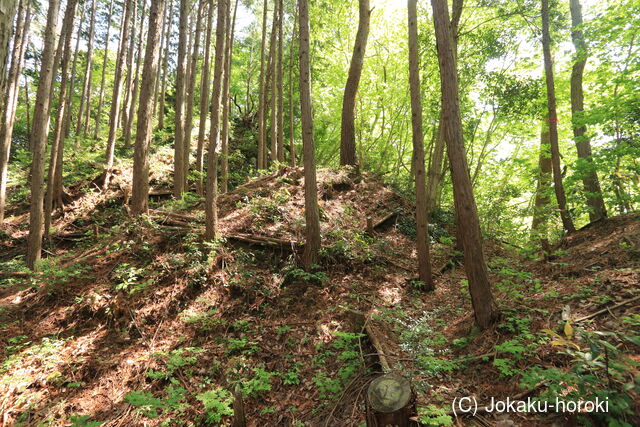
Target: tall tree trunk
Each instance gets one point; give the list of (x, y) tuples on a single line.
[(539, 225), (273, 130), (279, 66), (39, 135), (140, 188), (83, 125), (178, 160), (74, 68), (466, 211), (7, 14), (590, 180), (55, 168), (292, 129), (422, 237), (567, 222), (10, 96), (128, 83), (204, 100), (436, 171), (114, 116), (165, 66), (348, 132), (211, 208), (311, 210), (263, 89), (104, 73), (136, 81), (193, 76), (226, 103)]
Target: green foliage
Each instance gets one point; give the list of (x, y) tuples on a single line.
[(217, 403), (345, 349), (431, 415), (129, 278)]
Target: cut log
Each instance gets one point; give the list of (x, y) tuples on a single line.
[(377, 344), (390, 401)]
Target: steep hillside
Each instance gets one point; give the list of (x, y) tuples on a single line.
[(140, 323)]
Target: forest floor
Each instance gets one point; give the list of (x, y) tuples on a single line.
[(136, 322)]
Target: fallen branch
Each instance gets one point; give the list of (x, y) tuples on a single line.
[(264, 240), (608, 309), (175, 215)]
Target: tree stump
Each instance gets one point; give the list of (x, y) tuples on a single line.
[(389, 401), (239, 419)]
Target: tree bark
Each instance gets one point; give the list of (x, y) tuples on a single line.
[(292, 129), (422, 235), (279, 66), (597, 209), (179, 160), (53, 193), (39, 137), (128, 83), (136, 81), (552, 117), (74, 68), (165, 66), (311, 211), (83, 125), (10, 96), (204, 100), (466, 211), (104, 73), (539, 225), (8, 10), (348, 133), (262, 98), (114, 116), (211, 208), (140, 189), (226, 103), (193, 75), (273, 61)]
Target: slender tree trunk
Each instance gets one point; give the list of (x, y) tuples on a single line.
[(88, 73), (348, 132), (311, 210), (466, 211), (114, 116), (55, 167), (179, 161), (422, 237), (140, 188), (7, 14), (211, 208), (226, 103), (567, 222), (39, 137), (27, 101), (74, 69), (136, 81), (10, 96), (292, 129), (280, 84), (435, 171), (165, 67), (104, 73), (204, 100), (597, 209), (263, 89), (128, 83), (192, 87), (273, 61), (539, 225)]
